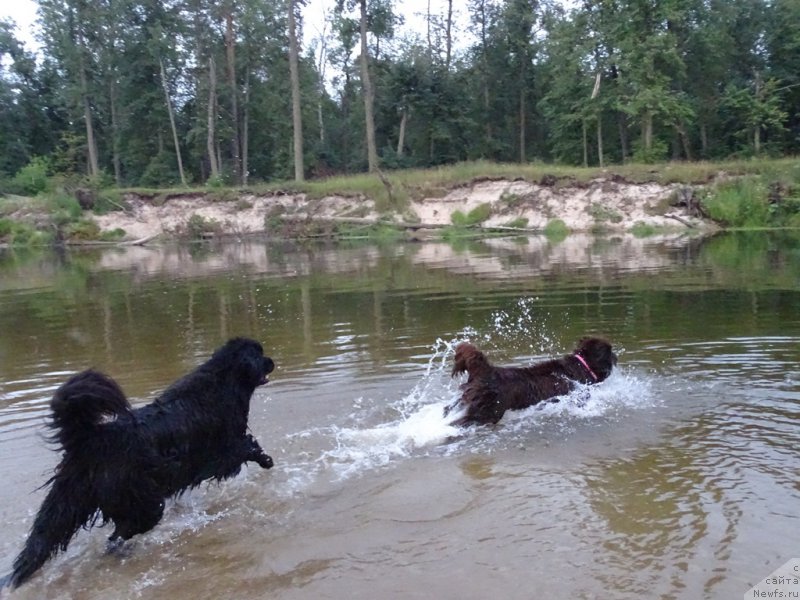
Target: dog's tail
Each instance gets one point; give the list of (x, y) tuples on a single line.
[(67, 507), (83, 403)]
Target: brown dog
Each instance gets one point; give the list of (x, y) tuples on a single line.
[(490, 391)]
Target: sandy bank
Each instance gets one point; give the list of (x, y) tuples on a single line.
[(601, 204)]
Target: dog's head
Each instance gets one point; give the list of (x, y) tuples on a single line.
[(470, 360), (598, 354), (246, 358)]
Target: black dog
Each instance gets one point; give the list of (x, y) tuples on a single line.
[(490, 391), (119, 464)]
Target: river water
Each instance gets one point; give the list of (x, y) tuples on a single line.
[(679, 477)]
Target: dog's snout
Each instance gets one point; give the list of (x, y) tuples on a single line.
[(269, 365)]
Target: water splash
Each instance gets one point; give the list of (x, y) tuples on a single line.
[(419, 424), (424, 429), (521, 328)]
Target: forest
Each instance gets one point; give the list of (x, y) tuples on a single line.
[(184, 92)]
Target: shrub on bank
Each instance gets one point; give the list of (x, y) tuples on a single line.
[(754, 201)]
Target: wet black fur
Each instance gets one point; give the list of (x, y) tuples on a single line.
[(119, 464), (490, 391)]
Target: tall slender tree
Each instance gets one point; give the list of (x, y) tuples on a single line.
[(297, 114)]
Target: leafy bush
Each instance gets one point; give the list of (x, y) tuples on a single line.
[(602, 213), (65, 208), (20, 234), (740, 203), (512, 200), (216, 182), (518, 223), (658, 152), (33, 178), (477, 215), (556, 230), (642, 230), (109, 200), (199, 227), (161, 171), (83, 230)]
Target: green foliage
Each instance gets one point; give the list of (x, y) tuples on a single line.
[(642, 230), (649, 81), (556, 230), (657, 152), (20, 234), (511, 200), (602, 214), (109, 200), (739, 203), (65, 208), (199, 227), (33, 178), (223, 194), (216, 183), (476, 216), (518, 223), (160, 171), (83, 230), (379, 233)]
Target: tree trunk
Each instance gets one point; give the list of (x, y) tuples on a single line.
[(297, 117), (372, 152), (322, 64), (171, 114), (430, 43), (757, 126), (600, 157), (647, 131), (115, 131), (685, 142), (246, 129), (485, 59), (585, 145), (94, 166), (402, 137), (230, 55), (522, 120), (212, 101), (449, 34), (704, 140)]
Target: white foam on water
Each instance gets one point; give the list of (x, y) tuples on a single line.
[(420, 427), (420, 422)]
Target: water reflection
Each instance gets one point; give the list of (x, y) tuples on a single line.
[(687, 493), (681, 507)]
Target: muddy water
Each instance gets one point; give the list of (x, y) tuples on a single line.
[(678, 478)]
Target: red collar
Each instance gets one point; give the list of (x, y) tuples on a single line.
[(586, 365)]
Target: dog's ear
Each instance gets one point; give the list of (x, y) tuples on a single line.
[(469, 359), (459, 361)]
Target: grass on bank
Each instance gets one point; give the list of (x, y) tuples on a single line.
[(738, 194), (414, 184)]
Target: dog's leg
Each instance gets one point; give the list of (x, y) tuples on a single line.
[(450, 407), (230, 462), (141, 519), (256, 454)]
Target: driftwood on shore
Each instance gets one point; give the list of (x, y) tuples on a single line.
[(680, 219), (140, 241)]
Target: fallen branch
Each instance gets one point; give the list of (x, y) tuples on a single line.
[(680, 220), (140, 241)]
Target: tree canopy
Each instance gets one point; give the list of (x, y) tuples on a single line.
[(159, 92)]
